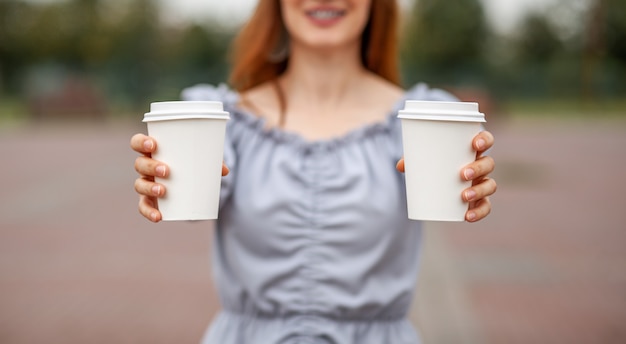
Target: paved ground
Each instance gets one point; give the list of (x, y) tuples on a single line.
[(79, 265)]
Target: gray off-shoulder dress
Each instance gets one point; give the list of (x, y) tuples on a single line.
[(313, 244)]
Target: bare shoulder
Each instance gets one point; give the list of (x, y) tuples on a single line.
[(385, 88), (381, 94), (261, 101)]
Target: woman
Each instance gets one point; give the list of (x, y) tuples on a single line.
[(313, 244)]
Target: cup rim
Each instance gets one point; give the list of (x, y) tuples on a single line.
[(183, 109), (441, 111)]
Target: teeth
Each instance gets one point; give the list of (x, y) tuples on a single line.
[(325, 14)]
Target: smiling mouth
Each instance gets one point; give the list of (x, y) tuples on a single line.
[(325, 14)]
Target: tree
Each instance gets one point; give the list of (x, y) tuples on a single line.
[(14, 20), (538, 41), (615, 14), (122, 46), (444, 40)]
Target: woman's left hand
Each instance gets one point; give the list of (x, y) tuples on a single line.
[(478, 173)]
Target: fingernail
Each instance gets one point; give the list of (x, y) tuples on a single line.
[(153, 216), (156, 190), (160, 170), (480, 144), (468, 174), (469, 195), (148, 145), (471, 216)]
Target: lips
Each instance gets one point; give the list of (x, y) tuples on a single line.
[(325, 14)]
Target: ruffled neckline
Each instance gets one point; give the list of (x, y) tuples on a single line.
[(284, 136), (230, 99), (258, 123)]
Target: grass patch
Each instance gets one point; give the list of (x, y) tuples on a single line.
[(13, 113), (568, 108)]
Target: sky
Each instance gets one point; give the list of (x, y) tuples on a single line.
[(503, 14)]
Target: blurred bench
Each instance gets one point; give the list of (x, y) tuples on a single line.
[(75, 99)]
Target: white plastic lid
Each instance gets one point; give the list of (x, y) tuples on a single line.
[(165, 111), (441, 111)]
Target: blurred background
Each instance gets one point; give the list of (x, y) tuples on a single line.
[(78, 264)]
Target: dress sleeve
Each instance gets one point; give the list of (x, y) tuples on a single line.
[(221, 93), (421, 91)]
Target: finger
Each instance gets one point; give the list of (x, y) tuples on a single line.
[(479, 168), (225, 170), (147, 166), (141, 143), (483, 141), (149, 188), (400, 165), (485, 188), (147, 208), (479, 210)]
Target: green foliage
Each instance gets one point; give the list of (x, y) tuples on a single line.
[(123, 46), (575, 48), (444, 39), (572, 49), (538, 41), (616, 29)]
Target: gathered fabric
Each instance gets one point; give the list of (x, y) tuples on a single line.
[(313, 243)]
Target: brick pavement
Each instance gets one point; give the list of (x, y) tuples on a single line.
[(549, 264), (79, 265), (77, 262)]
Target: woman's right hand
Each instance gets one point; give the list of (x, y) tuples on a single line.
[(148, 168), (149, 191)]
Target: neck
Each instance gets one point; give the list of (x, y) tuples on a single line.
[(322, 75)]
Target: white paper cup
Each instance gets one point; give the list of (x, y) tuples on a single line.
[(437, 139), (190, 140)]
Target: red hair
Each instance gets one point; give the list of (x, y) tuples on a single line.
[(251, 65)]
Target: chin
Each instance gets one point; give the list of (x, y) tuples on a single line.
[(331, 43)]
